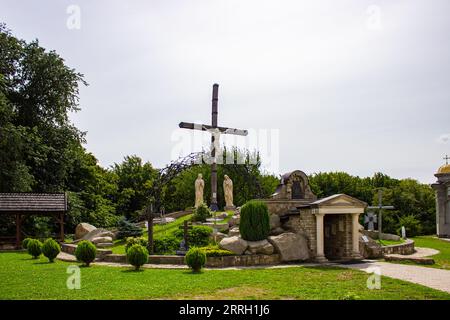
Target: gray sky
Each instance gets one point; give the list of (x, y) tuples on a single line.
[(358, 86)]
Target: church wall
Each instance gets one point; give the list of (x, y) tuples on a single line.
[(442, 211)]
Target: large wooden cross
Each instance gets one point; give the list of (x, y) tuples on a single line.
[(215, 131), (380, 208)]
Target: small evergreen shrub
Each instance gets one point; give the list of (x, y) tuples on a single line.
[(85, 252), (34, 248), (255, 221), (215, 251), (128, 229), (132, 241), (137, 256), (25, 242), (201, 213), (195, 258), (198, 236), (166, 244), (51, 249)]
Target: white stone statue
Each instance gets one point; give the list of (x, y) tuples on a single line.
[(228, 190), (199, 186)]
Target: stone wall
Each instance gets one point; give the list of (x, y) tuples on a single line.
[(384, 236), (245, 260), (283, 207), (212, 262), (404, 248), (70, 249)]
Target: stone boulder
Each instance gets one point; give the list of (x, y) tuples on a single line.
[(369, 248), (82, 229), (218, 236), (234, 244), (96, 233), (277, 231), (290, 246), (98, 240), (234, 221), (260, 247), (234, 232), (274, 221)]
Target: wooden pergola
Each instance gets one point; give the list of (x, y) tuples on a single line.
[(26, 204)]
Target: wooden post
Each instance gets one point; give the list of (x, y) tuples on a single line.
[(61, 226), (214, 206), (18, 230), (151, 248)]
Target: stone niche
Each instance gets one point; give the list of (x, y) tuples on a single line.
[(292, 192)]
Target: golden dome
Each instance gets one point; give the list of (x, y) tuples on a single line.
[(444, 169)]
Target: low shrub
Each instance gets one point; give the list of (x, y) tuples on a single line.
[(255, 222), (137, 255), (166, 244), (198, 236), (132, 241), (25, 242), (34, 248), (201, 213), (51, 249), (85, 252), (215, 251), (195, 258)]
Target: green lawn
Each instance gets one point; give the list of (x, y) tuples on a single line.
[(390, 242), (442, 259), (24, 278)]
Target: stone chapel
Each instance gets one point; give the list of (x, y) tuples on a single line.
[(330, 225)]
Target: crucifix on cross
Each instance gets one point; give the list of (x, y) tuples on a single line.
[(215, 131), (446, 158)]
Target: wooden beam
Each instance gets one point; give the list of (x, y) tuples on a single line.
[(61, 226), (18, 230)]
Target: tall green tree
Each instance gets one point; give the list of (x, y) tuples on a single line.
[(134, 181), (40, 92)]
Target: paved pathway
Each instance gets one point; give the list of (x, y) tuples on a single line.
[(430, 277)]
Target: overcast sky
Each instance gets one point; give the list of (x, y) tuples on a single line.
[(358, 86)]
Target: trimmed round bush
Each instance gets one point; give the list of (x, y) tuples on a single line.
[(25, 242), (195, 258), (86, 252), (137, 256), (255, 221), (201, 213), (34, 248), (131, 241), (51, 249)]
